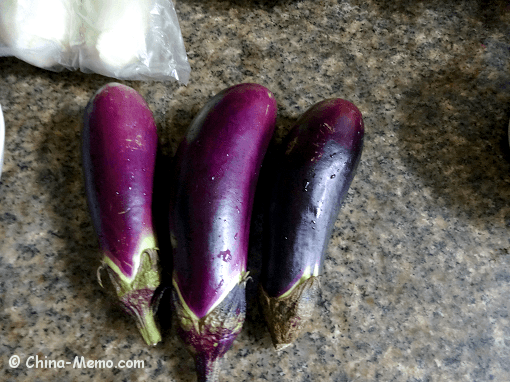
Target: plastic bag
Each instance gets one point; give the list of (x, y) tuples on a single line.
[(124, 39)]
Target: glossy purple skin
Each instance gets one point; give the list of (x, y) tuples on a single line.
[(315, 168), (119, 151), (217, 167)]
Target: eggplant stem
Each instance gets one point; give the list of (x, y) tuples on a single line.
[(137, 297), (147, 325), (208, 370)]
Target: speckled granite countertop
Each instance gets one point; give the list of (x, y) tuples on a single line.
[(417, 276)]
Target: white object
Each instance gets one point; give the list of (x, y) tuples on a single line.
[(37, 31), (2, 139), (123, 39), (114, 33)]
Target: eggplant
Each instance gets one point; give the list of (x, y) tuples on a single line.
[(215, 176), (311, 176), (119, 151)]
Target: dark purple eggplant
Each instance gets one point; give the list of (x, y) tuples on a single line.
[(216, 171), (311, 177)]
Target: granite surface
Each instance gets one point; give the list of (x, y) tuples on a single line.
[(416, 282)]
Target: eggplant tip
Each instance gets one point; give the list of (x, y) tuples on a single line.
[(149, 328), (208, 370), (279, 347), (286, 317)]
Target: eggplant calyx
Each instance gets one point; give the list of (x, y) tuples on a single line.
[(286, 316), (208, 338), (137, 296), (220, 317)]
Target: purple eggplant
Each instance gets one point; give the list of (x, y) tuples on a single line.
[(311, 177), (119, 151), (216, 171)]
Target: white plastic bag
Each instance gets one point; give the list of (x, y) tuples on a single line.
[(124, 39), (36, 31)]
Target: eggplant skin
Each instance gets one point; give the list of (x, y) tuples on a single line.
[(310, 179), (217, 167), (119, 152), (215, 176)]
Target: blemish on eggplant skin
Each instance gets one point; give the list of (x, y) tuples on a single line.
[(225, 255), (329, 127)]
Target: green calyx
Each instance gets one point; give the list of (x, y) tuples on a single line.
[(136, 294), (217, 322)]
